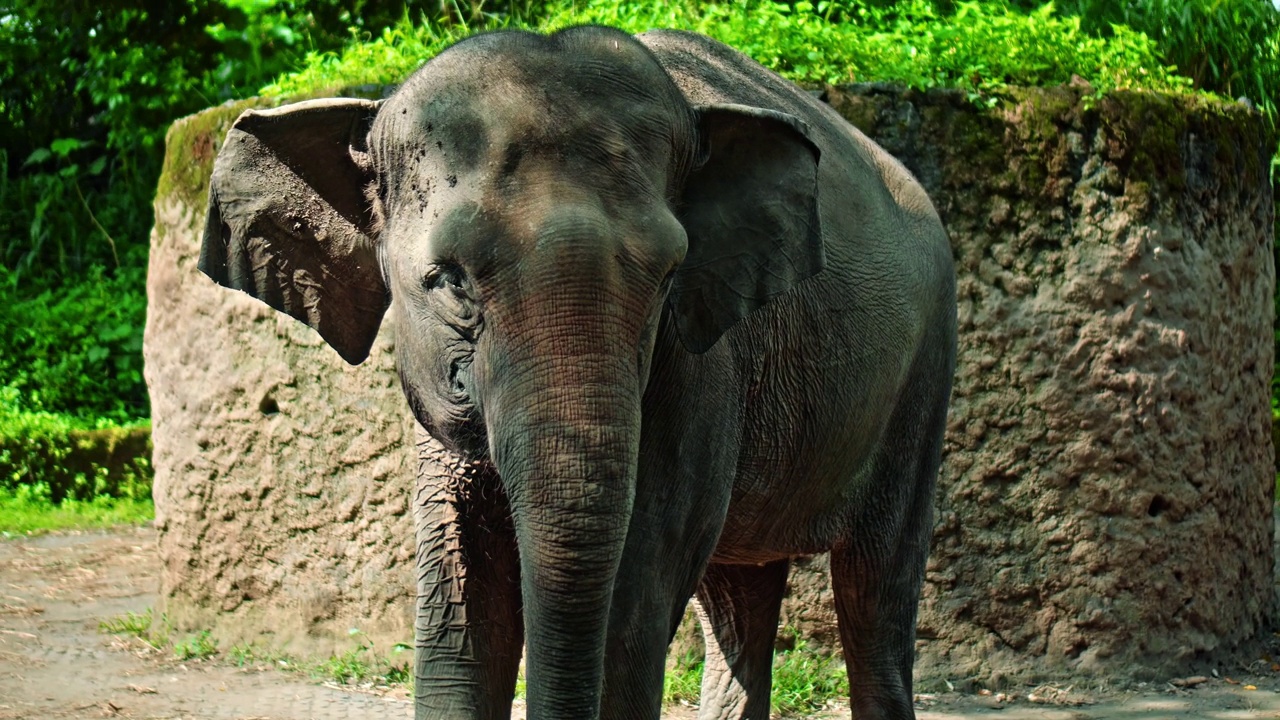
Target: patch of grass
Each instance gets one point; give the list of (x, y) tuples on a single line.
[(142, 626), (361, 665), (805, 680), (27, 510), (157, 633), (682, 683), (198, 646), (134, 624)]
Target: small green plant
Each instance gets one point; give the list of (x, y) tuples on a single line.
[(199, 646), (682, 683), (245, 654), (143, 626), (805, 680), (363, 664), (135, 624)]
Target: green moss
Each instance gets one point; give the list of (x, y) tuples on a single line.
[(1144, 131), (974, 146), (190, 147)]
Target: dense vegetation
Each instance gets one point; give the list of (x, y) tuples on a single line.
[(87, 92)]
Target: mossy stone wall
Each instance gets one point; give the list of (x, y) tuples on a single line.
[(1106, 498)]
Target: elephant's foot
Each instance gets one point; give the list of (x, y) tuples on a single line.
[(738, 608)]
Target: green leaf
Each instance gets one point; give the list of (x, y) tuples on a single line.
[(39, 155), (63, 147)]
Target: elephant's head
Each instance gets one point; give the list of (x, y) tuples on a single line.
[(535, 208)]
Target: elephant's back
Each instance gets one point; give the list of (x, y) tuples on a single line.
[(709, 72), (877, 219), (824, 367)]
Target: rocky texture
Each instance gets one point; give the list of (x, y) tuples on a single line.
[(283, 475), (1105, 500)]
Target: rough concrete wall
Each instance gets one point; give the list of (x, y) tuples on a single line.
[(1106, 495), (1105, 500), (283, 474)]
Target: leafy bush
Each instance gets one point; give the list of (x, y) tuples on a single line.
[(805, 680), (76, 350), (983, 47), (1230, 47), (59, 460)]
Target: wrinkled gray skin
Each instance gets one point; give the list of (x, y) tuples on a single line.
[(669, 321)]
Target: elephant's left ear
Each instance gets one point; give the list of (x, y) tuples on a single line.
[(751, 214)]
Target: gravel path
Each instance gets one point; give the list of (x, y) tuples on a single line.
[(54, 663)]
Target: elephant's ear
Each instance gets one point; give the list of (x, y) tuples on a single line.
[(289, 222), (751, 214)]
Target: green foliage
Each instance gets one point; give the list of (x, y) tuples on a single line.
[(130, 624), (87, 91), (76, 349), (1230, 47), (145, 626), (363, 664), (805, 681), (360, 665), (198, 646), (390, 57), (982, 47), (54, 458), (682, 683), (28, 510)]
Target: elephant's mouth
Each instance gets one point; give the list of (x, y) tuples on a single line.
[(453, 417)]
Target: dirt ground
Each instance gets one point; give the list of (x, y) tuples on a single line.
[(54, 663)]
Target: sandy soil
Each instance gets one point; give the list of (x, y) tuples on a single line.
[(54, 663)]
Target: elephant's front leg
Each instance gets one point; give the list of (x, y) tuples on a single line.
[(469, 628)]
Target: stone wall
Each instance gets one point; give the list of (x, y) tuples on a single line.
[(1105, 501), (283, 475)]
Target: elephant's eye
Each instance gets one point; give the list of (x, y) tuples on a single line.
[(446, 276)]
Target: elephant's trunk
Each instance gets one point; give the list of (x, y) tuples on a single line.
[(566, 445)]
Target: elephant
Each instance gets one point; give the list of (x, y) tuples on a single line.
[(667, 322)]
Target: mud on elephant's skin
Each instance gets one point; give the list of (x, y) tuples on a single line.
[(668, 322)]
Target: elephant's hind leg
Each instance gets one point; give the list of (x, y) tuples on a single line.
[(738, 608), (878, 568), (469, 630), (875, 605)]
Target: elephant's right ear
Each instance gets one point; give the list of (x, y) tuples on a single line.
[(289, 222)]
